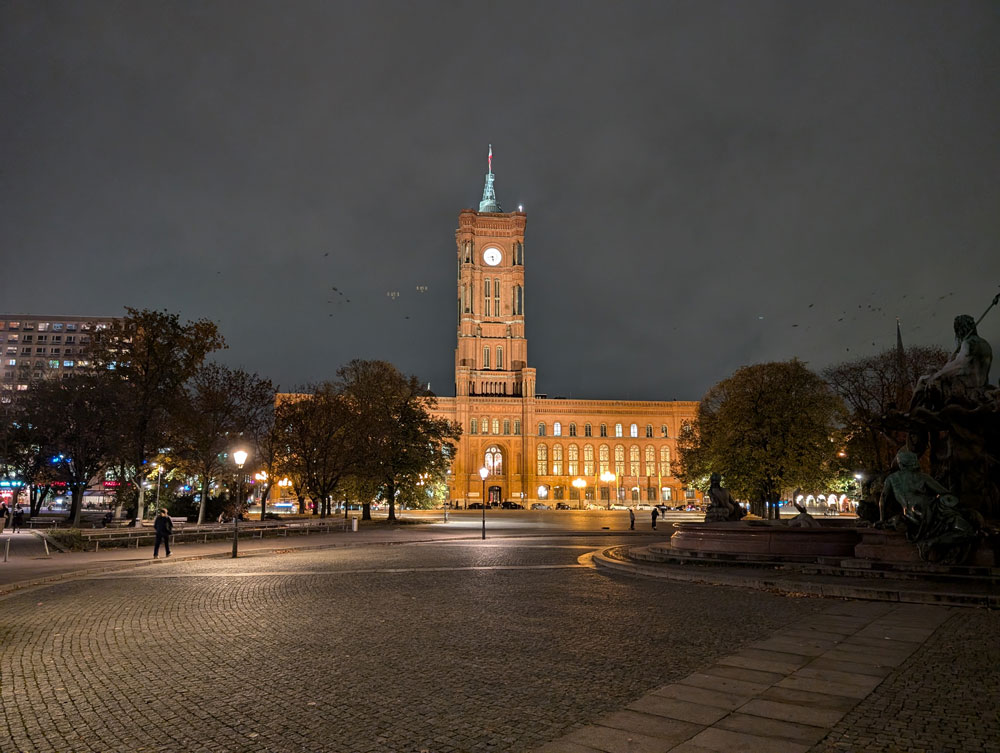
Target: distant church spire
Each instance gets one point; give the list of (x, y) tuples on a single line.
[(489, 202)]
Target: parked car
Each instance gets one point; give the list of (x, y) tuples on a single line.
[(562, 506), (508, 505), (540, 506), (643, 506), (664, 509), (476, 506)]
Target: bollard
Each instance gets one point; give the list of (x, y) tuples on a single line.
[(6, 549), (46, 542), (354, 524)]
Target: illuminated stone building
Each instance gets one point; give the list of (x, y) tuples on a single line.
[(535, 448)]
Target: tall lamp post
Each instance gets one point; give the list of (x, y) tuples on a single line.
[(261, 478), (607, 477), (483, 473), (580, 484), (239, 457)]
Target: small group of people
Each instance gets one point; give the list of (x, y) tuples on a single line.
[(14, 517), (631, 518)]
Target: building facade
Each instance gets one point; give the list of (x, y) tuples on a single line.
[(535, 448), (38, 347)]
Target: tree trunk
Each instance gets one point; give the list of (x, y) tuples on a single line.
[(366, 511), (265, 491), (76, 504), (204, 499), (140, 503), (390, 492), (302, 505)]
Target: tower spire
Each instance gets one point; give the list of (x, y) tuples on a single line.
[(489, 202)]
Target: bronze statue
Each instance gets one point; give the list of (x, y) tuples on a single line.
[(722, 507), (965, 374)]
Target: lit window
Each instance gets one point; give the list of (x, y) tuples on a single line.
[(485, 425), (557, 460), (603, 454), (22, 387), (618, 430), (12, 362), (666, 494), (573, 460), (633, 431), (650, 460), (496, 425), (633, 460), (542, 460), (43, 326), (664, 461), (588, 460), (494, 460), (557, 429), (57, 327), (619, 460), (54, 364)]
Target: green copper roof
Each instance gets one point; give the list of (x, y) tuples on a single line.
[(489, 202)]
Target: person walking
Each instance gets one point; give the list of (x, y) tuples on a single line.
[(164, 527), (3, 515), (655, 514), (631, 519), (17, 519)]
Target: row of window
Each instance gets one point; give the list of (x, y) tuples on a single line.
[(491, 293), (486, 357), (558, 492), (633, 430), (52, 326), (475, 425), (12, 351), (518, 253), (52, 363), (70, 339), (653, 466)]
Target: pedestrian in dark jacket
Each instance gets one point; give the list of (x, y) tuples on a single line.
[(3, 516), (631, 519), (18, 519), (655, 515), (164, 527)]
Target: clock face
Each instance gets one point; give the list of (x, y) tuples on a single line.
[(492, 256)]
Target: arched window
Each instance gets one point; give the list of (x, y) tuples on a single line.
[(604, 430), (496, 425), (517, 427), (557, 460), (541, 429), (542, 458), (603, 458), (664, 461), (506, 426), (633, 460), (650, 460), (468, 252), (486, 357), (588, 460), (486, 297), (518, 300), (588, 430), (619, 460), (557, 429), (618, 430), (494, 460), (633, 431), (496, 298), (572, 430), (649, 431), (518, 252), (573, 460), (484, 422), (663, 430), (500, 357), (474, 426)]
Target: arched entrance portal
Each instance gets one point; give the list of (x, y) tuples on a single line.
[(494, 496)]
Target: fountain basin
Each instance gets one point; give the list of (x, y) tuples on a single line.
[(764, 538)]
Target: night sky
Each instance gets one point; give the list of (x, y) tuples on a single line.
[(708, 184)]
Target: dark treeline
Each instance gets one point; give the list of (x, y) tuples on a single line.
[(147, 406)]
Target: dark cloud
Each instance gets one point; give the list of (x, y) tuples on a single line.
[(695, 176)]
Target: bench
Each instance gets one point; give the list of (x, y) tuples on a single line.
[(180, 521)]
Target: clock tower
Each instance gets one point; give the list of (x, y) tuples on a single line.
[(492, 354)]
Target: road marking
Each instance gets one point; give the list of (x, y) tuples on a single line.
[(359, 571)]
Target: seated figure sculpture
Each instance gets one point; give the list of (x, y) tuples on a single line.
[(722, 507), (964, 375), (943, 530)]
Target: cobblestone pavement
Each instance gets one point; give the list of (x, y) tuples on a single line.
[(944, 699), (495, 646)]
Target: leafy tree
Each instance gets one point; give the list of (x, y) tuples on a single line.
[(148, 356), (76, 415), (215, 409), (399, 441), (319, 448), (870, 387), (768, 428), (26, 452)]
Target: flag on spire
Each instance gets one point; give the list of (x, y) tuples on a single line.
[(490, 158)]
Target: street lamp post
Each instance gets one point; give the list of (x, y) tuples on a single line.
[(580, 484), (261, 477), (607, 477), (483, 473), (239, 457), (159, 472)]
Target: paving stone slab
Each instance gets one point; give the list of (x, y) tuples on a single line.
[(726, 685), (691, 694), (792, 712), (761, 665), (791, 646), (822, 662), (725, 741), (742, 673), (863, 681), (821, 686), (865, 656), (671, 730), (767, 727), (809, 700), (915, 635), (565, 746), (675, 709), (785, 657)]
